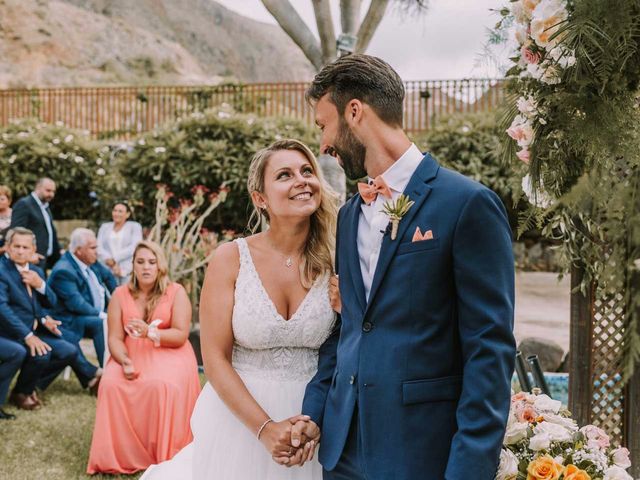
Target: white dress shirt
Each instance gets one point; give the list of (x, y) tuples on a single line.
[(97, 290), (47, 221), (373, 221)]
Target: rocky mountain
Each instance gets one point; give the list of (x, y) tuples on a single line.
[(109, 42)]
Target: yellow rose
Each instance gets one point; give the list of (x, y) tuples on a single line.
[(574, 473), (544, 468)]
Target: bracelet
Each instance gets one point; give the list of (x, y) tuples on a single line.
[(266, 422)]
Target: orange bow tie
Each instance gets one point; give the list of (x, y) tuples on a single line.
[(369, 191)]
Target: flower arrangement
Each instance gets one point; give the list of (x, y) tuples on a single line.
[(543, 442), (179, 230)]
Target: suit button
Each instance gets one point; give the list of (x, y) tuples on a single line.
[(352, 379), (367, 326)]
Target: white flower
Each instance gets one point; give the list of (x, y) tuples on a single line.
[(636, 263), (555, 432), (23, 135), (78, 159), (68, 138), (515, 433), (521, 34), (100, 171), (55, 141), (616, 473), (224, 115), (596, 437), (545, 20), (159, 149), (517, 10), (508, 469), (540, 198), (567, 423), (544, 403), (62, 155), (620, 457), (12, 158), (535, 71), (540, 441), (563, 56), (142, 142), (2, 145), (527, 106), (98, 161)]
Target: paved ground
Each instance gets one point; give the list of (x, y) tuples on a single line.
[(542, 307)]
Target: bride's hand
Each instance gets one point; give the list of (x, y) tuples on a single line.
[(276, 437), (334, 294)]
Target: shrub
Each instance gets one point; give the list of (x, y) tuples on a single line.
[(470, 144), (30, 150), (212, 148)]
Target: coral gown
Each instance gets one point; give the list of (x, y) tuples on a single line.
[(144, 421)]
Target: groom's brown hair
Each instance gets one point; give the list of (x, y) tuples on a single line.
[(363, 77)]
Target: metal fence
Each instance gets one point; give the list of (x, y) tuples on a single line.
[(122, 112)]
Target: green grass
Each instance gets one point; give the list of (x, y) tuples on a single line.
[(53, 442)]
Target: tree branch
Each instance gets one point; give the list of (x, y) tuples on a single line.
[(290, 21), (350, 15), (324, 21), (370, 23)]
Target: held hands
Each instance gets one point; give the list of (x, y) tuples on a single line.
[(292, 441), (334, 294)]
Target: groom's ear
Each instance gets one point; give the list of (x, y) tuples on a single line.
[(353, 112)]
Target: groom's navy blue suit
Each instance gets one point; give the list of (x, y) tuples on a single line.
[(415, 383)]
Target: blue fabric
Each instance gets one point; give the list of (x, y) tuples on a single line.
[(349, 467), (72, 288), (12, 354), (429, 358), (27, 213), (17, 309), (83, 369)]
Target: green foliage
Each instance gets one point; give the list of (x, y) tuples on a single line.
[(586, 153), (210, 149), (470, 144), (30, 150)]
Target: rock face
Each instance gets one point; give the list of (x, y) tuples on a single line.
[(92, 42), (550, 354)]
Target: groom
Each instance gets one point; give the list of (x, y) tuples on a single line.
[(415, 382)]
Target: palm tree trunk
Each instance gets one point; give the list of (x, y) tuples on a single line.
[(370, 24), (324, 21)]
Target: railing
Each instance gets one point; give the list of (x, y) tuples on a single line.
[(122, 112)]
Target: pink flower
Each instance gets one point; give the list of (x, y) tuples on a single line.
[(620, 457), (518, 396), (524, 155), (529, 414), (596, 437), (530, 56), (521, 131)]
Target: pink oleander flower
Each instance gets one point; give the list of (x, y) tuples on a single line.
[(530, 57), (596, 437), (521, 131)]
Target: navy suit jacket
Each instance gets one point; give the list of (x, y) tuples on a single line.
[(26, 213), (72, 288), (428, 360), (17, 309)]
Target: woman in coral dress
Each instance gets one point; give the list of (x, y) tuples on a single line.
[(150, 384)]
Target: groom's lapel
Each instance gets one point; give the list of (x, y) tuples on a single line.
[(353, 257), (417, 190)]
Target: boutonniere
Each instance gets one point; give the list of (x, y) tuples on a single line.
[(395, 210)]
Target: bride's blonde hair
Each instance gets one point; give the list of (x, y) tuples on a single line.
[(317, 257)]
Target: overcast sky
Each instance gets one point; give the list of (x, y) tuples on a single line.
[(446, 42)]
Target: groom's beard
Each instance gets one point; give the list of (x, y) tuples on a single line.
[(351, 151)]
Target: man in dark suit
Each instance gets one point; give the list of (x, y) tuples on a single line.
[(32, 212), (28, 337), (415, 382), (83, 286)]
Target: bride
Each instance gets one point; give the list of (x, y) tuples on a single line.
[(265, 312)]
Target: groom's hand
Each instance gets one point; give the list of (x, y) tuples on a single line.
[(306, 435), (334, 294)]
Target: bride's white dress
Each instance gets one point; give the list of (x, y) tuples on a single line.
[(275, 358)]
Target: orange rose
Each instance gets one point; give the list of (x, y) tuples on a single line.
[(544, 468), (574, 473)]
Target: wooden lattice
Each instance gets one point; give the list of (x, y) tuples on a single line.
[(607, 402)]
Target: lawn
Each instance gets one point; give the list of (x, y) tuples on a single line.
[(51, 443)]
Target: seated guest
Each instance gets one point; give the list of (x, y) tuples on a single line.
[(83, 287), (5, 214), (29, 339), (117, 240), (150, 384)]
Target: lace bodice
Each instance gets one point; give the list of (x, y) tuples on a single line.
[(266, 344)]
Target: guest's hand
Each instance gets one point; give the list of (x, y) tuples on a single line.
[(31, 278), (137, 328), (116, 270), (334, 294), (52, 325), (36, 258), (37, 346), (276, 437), (110, 262), (129, 370)]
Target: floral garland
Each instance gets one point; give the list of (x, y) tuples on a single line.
[(543, 442), (573, 120)]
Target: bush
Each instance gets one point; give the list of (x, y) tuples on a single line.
[(30, 150), (210, 149), (470, 144)]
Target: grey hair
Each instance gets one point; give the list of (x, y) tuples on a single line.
[(44, 179), (79, 238), (19, 231)]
